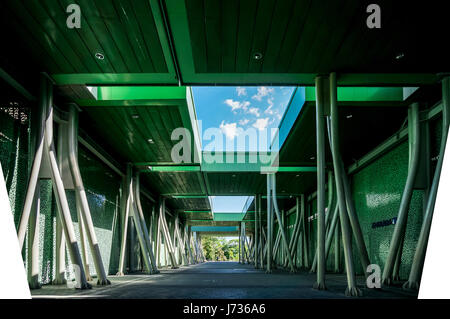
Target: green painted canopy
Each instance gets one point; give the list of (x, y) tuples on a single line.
[(142, 56), (191, 42)]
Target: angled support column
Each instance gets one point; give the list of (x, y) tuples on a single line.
[(400, 226), (239, 244), (244, 240), (60, 255), (200, 248), (419, 255), (184, 259), (305, 248), (321, 99), (329, 236), (141, 227), (300, 208), (188, 244), (33, 181), (269, 241), (194, 248), (60, 252), (158, 241), (354, 222), (256, 232), (280, 222), (82, 202), (333, 226), (337, 248), (33, 242), (276, 245), (125, 207), (292, 240), (166, 234), (61, 199), (264, 249), (140, 230), (261, 239), (45, 163), (328, 211), (352, 289), (248, 245), (141, 221)]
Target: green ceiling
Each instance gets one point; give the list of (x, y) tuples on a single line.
[(168, 42), (211, 42)]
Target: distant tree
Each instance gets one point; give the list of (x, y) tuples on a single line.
[(219, 249)]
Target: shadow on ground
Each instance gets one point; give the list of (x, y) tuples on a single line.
[(213, 280)]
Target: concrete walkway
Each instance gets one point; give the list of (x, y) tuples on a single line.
[(212, 280)]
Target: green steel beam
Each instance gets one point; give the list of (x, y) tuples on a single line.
[(297, 79), (292, 169), (196, 211), (98, 79), (208, 211), (184, 196), (134, 102), (106, 93), (362, 94), (226, 168), (171, 169)]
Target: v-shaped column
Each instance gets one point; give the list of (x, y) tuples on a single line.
[(44, 166), (165, 231), (134, 210)]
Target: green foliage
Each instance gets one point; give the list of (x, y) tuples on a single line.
[(220, 249)]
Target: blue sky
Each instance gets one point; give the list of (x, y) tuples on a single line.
[(235, 109), (228, 204)]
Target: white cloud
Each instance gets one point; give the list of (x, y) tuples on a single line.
[(254, 111), (244, 122), (269, 108), (235, 105), (261, 124), (241, 91), (230, 129), (262, 92)]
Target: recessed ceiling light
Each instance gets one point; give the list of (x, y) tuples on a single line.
[(234, 175), (312, 158), (257, 56), (99, 56), (298, 175), (135, 116), (399, 56), (150, 141), (349, 116)]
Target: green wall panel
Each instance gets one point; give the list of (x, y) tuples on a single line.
[(377, 192)]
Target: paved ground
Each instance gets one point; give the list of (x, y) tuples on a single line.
[(218, 280)]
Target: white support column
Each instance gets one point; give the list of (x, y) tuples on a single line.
[(45, 163)]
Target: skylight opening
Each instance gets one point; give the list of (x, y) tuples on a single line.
[(229, 204), (240, 118)]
